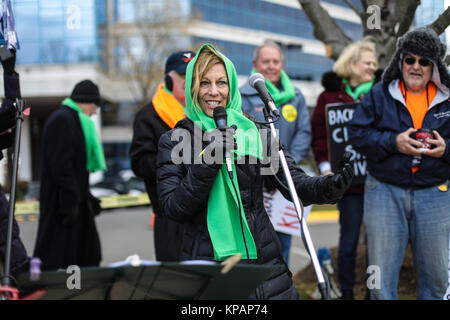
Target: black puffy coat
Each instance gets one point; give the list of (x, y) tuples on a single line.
[(184, 190)]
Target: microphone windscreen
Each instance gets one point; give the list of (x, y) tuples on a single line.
[(220, 117), (255, 78), (219, 112)]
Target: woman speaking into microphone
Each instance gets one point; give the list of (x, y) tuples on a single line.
[(223, 214)]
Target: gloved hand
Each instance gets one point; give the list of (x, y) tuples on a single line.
[(339, 182), (10, 62), (8, 113), (69, 215), (222, 140), (6, 141)]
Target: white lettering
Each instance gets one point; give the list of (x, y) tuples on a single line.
[(374, 279), (340, 116), (374, 21), (74, 18), (74, 281), (339, 135)]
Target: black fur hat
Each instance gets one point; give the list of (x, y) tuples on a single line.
[(422, 42)]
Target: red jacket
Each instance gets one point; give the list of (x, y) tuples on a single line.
[(334, 93)]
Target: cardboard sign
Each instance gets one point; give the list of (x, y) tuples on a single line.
[(282, 213), (338, 116)]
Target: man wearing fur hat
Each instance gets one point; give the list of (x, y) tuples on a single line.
[(407, 197)]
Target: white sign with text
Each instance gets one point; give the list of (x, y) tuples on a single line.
[(282, 213)]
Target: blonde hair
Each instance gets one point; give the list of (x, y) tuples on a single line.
[(207, 58), (344, 65)]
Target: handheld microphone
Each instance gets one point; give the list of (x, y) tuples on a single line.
[(257, 82), (220, 118)]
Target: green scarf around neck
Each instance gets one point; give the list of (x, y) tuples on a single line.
[(363, 88), (280, 97), (223, 215), (95, 158)]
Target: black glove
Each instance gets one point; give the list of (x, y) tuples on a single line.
[(225, 143), (8, 116), (6, 141), (339, 182), (69, 215), (8, 60)]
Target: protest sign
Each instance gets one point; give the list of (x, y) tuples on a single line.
[(338, 116)]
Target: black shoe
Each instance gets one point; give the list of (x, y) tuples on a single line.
[(347, 295)]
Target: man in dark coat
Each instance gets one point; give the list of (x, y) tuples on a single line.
[(67, 233), (19, 259), (154, 119)]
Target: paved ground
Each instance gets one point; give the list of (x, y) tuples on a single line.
[(124, 232)]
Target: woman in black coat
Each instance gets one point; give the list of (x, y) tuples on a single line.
[(196, 190)]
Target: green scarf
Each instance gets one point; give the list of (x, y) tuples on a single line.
[(223, 216), (94, 150), (363, 88), (280, 97)]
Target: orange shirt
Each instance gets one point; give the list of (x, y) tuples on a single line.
[(418, 106)]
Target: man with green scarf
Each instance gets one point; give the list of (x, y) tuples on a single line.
[(293, 125), (67, 234)]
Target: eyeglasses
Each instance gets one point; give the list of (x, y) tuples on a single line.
[(422, 61)]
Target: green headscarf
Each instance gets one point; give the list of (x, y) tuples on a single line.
[(94, 150), (223, 217), (280, 97)]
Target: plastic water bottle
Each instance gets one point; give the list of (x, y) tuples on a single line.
[(35, 269)]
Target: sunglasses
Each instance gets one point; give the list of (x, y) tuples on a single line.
[(422, 61)]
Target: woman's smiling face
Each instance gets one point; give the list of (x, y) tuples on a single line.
[(214, 89)]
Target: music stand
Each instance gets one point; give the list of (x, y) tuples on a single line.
[(163, 281)]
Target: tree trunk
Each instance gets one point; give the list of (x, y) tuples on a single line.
[(393, 19), (325, 28)]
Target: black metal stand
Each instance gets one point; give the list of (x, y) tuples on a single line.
[(323, 289), (6, 279)]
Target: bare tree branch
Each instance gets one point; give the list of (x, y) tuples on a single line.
[(406, 12), (325, 28), (395, 18), (383, 24), (365, 4), (354, 8), (145, 44), (442, 22)]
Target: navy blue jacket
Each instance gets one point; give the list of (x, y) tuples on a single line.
[(377, 121)]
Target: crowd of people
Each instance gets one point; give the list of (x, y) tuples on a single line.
[(210, 209)]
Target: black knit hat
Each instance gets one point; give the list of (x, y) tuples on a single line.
[(86, 91), (422, 42)]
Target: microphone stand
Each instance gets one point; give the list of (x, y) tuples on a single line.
[(6, 279), (323, 289)]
